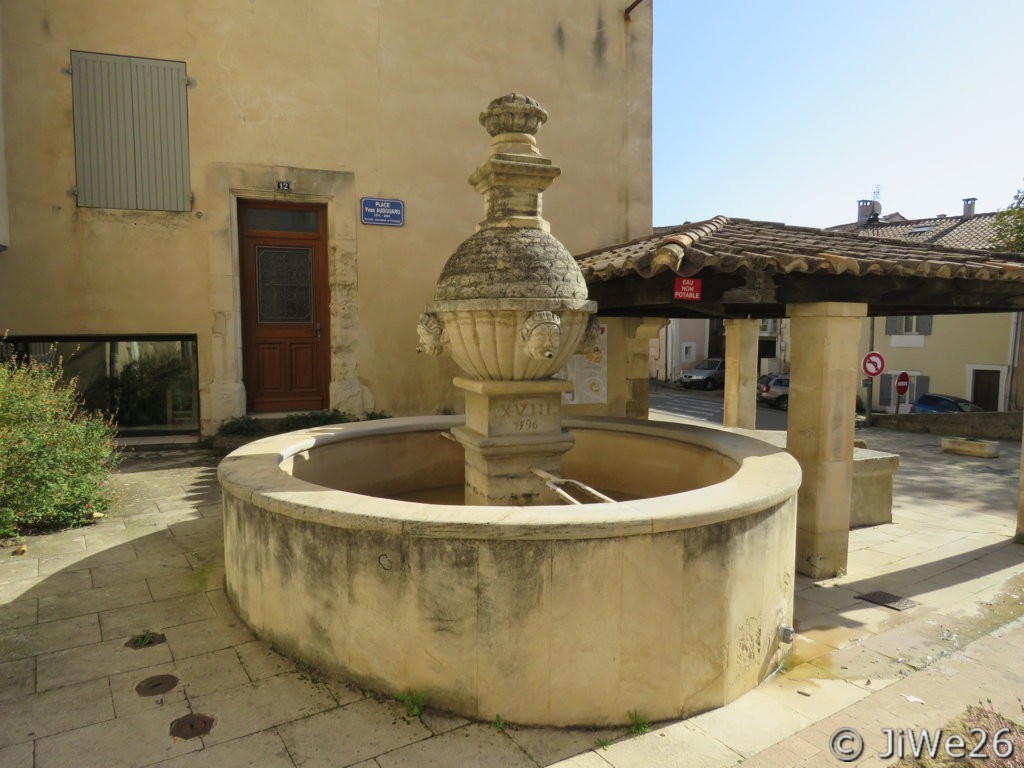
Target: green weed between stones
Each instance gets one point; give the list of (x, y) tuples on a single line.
[(200, 578), (143, 640), (638, 724), (414, 702)]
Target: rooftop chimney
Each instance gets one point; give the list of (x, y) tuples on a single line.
[(969, 206), (867, 211)]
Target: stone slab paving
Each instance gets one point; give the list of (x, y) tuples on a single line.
[(68, 681)]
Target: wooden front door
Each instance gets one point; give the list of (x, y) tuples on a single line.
[(283, 272)]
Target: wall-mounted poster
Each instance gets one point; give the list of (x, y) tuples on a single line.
[(588, 371)]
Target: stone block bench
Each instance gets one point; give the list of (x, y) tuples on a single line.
[(873, 471), (970, 446)]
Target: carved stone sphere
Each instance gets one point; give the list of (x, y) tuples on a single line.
[(511, 263)]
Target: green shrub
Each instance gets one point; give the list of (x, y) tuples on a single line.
[(240, 425), (55, 458), (247, 425), (294, 421)]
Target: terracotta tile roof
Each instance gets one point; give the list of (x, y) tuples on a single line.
[(730, 245), (954, 231)]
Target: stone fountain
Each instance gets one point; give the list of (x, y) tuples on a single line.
[(511, 306), (350, 548)]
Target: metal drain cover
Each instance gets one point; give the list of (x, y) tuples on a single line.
[(154, 686), (190, 726), (889, 600)]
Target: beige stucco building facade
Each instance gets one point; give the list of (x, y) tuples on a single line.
[(969, 356), (353, 100)]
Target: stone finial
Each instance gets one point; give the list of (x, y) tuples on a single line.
[(511, 302), (513, 113)]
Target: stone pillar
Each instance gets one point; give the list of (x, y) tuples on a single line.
[(741, 373), (1019, 536), (638, 354), (511, 427), (822, 406)]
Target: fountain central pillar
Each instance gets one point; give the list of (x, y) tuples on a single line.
[(511, 428), (511, 307)]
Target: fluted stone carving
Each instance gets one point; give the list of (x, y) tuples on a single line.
[(512, 268)]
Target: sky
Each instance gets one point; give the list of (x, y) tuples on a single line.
[(792, 111)]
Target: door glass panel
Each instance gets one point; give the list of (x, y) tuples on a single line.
[(282, 220), (284, 284)]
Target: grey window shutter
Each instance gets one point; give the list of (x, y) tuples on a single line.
[(885, 388), (890, 326), (104, 130), (920, 386), (924, 324), (131, 132), (161, 145)]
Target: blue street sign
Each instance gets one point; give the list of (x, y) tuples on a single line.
[(379, 210)]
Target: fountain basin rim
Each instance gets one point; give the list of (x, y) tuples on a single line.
[(767, 476)]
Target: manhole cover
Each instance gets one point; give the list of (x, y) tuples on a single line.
[(889, 600), (145, 639), (190, 726), (154, 686)]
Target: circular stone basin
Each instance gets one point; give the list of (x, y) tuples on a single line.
[(668, 603)]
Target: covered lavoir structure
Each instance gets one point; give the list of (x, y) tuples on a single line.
[(825, 282)]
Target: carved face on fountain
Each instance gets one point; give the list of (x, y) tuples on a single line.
[(542, 333), (511, 302)]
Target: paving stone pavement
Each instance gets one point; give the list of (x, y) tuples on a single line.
[(69, 605)]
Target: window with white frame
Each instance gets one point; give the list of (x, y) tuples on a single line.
[(908, 325), (689, 352), (131, 132)]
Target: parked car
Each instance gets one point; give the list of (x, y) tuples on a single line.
[(933, 403), (708, 374), (773, 389)]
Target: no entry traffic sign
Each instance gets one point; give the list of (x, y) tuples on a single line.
[(903, 383), (873, 364)]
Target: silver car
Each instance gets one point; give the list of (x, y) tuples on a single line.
[(773, 389), (708, 374)]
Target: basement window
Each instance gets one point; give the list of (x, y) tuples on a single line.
[(149, 384)]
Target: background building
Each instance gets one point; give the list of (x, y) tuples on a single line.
[(975, 356), (186, 185)]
